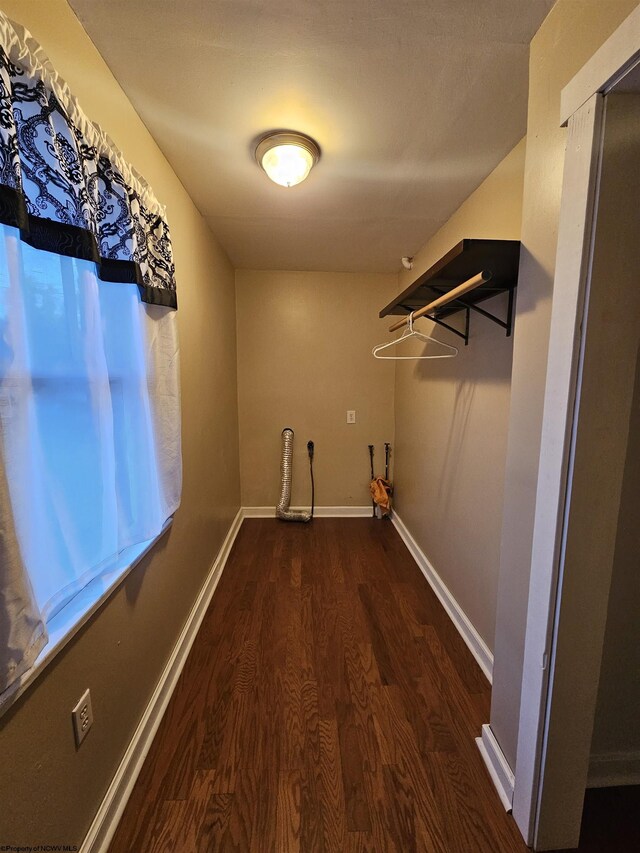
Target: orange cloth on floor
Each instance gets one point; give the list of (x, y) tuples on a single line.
[(381, 490)]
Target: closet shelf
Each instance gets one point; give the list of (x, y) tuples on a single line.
[(463, 262)]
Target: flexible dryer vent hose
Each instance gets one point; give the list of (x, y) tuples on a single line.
[(286, 467)]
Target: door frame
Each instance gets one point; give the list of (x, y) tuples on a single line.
[(582, 109)]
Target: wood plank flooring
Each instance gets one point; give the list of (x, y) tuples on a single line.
[(328, 705)]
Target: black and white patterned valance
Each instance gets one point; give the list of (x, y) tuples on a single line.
[(64, 184)]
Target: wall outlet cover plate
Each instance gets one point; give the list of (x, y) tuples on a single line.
[(82, 716)]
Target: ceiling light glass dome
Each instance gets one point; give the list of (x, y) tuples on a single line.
[(287, 157)]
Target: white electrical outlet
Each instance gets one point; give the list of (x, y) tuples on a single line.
[(351, 417), (82, 716)]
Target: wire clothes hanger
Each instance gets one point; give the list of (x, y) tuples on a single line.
[(410, 332)]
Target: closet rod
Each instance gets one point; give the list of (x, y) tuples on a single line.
[(465, 287)]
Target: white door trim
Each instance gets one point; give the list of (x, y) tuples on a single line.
[(573, 263)]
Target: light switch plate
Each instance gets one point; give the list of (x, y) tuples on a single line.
[(351, 416)]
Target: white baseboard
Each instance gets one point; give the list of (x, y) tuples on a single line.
[(318, 512), (106, 820), (497, 765), (477, 646), (610, 769)]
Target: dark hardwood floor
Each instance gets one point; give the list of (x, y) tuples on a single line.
[(328, 705)]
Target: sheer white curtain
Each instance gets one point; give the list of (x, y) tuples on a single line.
[(89, 433), (22, 630)]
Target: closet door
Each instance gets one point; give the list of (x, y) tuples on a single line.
[(595, 339)]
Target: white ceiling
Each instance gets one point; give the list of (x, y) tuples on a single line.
[(413, 103)]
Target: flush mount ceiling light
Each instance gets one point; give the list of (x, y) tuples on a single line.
[(287, 157)]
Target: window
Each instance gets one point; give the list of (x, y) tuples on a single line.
[(90, 465), (90, 408)]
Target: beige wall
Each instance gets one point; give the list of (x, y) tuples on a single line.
[(451, 419), (304, 359), (48, 790), (569, 36)]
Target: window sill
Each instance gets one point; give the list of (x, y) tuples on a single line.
[(68, 621)]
